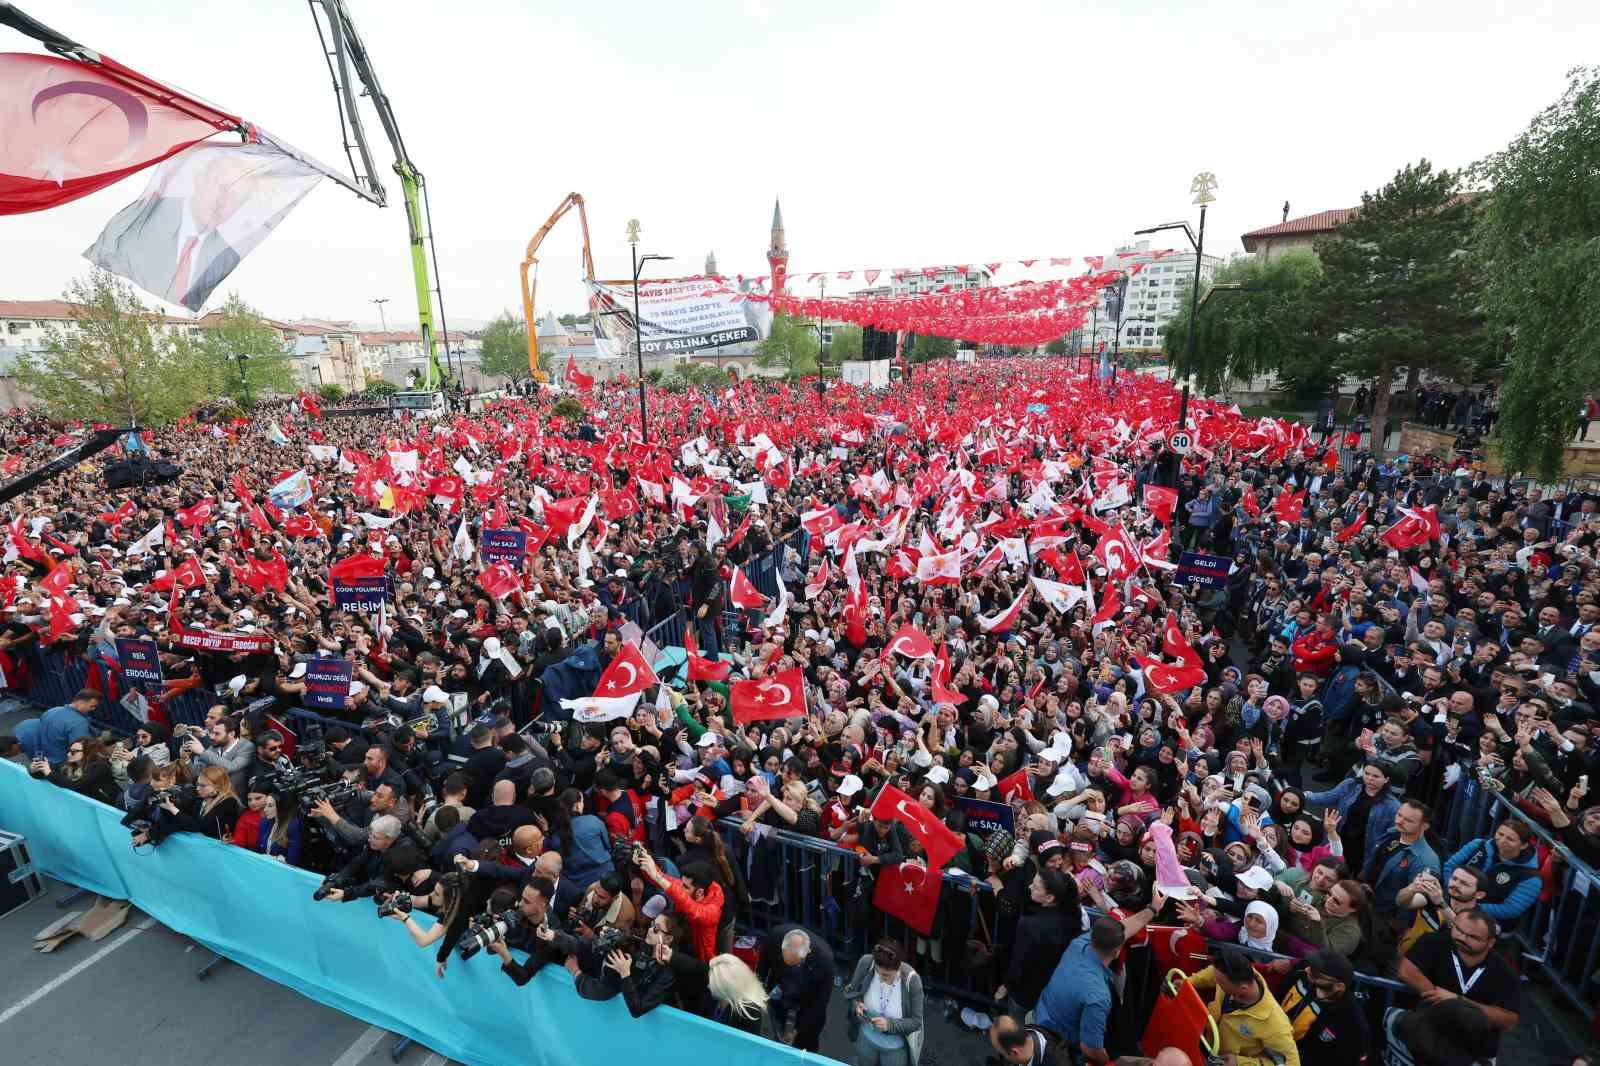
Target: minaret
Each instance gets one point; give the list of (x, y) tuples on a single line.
[(778, 254), (711, 264)]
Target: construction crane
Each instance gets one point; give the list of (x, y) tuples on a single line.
[(529, 287), (343, 50)]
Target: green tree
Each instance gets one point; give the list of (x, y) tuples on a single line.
[(929, 347), (1259, 322), (505, 348), (245, 354), (1539, 244), (1398, 290), (115, 363), (844, 343), (792, 344)]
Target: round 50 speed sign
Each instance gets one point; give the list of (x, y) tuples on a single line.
[(1180, 441)]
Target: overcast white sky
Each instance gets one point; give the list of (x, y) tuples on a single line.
[(897, 134)]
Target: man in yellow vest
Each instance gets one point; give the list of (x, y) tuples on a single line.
[(1252, 1028)]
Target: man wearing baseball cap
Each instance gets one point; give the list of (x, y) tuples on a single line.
[(1329, 1026)]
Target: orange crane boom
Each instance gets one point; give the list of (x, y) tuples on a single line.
[(530, 259)]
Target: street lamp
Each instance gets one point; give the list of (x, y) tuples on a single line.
[(1204, 187), (638, 324)]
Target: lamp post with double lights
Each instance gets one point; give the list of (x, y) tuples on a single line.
[(1204, 188), (638, 323)]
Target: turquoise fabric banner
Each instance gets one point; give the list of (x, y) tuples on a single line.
[(260, 914)]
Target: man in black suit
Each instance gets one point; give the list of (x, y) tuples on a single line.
[(798, 967)]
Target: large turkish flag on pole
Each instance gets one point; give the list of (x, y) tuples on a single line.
[(68, 129)]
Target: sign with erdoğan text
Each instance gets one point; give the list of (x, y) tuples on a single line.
[(140, 660)]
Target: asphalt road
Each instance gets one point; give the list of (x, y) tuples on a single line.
[(133, 999)]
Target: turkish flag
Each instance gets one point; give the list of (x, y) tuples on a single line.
[(911, 642), (1289, 506), (909, 891), (56, 582), (779, 695), (700, 667), (499, 580), (627, 674), (938, 842), (1349, 532), (197, 515), (577, 378), (1165, 678), (75, 128), (940, 681), (355, 566), (741, 593), (1160, 501), (1017, 784)]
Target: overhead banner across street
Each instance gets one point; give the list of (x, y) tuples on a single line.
[(680, 317)]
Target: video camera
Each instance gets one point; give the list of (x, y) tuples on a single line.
[(486, 929)]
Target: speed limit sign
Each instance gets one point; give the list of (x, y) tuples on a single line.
[(1180, 441)]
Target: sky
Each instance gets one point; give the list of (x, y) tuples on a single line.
[(895, 134)]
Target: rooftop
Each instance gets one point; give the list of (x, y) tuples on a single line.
[(1304, 226)]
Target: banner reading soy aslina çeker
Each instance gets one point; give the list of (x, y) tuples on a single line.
[(680, 317)]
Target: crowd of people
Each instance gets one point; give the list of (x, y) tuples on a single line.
[(982, 603)]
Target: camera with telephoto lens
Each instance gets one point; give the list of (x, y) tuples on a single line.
[(486, 929), (399, 903), (179, 795), (329, 883)]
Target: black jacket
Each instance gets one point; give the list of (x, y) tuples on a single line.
[(815, 987)]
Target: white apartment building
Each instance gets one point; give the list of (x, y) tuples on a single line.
[(1158, 287)]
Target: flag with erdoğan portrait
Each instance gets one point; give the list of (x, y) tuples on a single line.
[(202, 213), (70, 128)]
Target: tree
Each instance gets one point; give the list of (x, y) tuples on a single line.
[(792, 344), (505, 348), (1265, 325), (928, 347), (115, 363), (1537, 242), (844, 343), (1398, 289), (245, 354)]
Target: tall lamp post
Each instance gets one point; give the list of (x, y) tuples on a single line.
[(1204, 188), (638, 324)]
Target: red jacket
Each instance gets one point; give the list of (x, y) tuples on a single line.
[(704, 915), (1314, 653)]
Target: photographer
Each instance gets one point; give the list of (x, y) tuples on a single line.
[(365, 875), (211, 810), (533, 906)]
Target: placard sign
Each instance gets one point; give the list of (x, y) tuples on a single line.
[(984, 817), (504, 546), (328, 683), (363, 595), (1205, 571), (140, 660)]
